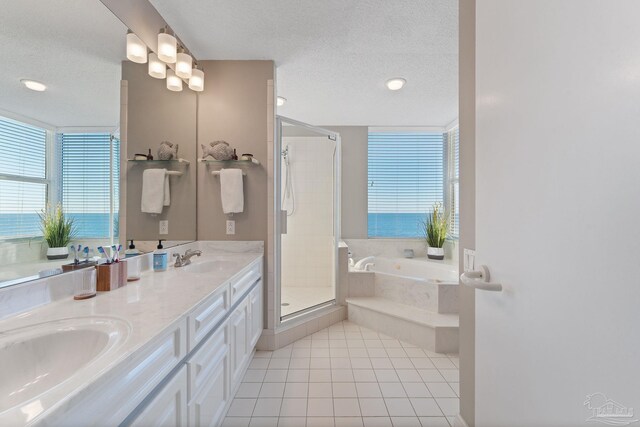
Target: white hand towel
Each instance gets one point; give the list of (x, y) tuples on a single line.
[(153, 190), (231, 192)]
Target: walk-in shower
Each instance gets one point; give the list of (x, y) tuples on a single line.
[(308, 226)]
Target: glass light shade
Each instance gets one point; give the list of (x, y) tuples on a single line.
[(157, 68), (196, 82), (167, 48), (396, 83), (174, 83), (184, 64), (280, 101), (136, 50)]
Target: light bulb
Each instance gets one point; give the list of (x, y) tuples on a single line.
[(167, 47), (196, 82), (184, 64), (34, 85), (396, 83), (174, 83), (136, 50), (157, 68), (280, 101)]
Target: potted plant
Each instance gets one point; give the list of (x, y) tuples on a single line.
[(58, 231), (436, 227)]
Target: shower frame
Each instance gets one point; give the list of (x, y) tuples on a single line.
[(280, 215)]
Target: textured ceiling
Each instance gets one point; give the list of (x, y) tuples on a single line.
[(334, 56), (75, 48)]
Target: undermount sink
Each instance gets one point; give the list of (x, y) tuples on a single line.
[(37, 358), (210, 266)]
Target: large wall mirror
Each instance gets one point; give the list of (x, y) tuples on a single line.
[(61, 147)]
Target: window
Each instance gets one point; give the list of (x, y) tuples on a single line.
[(406, 177), (89, 176), (23, 179), (453, 181)]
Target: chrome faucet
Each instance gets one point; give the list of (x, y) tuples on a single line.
[(182, 260)]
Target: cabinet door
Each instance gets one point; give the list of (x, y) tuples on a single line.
[(255, 306), (239, 328), (169, 407), (209, 381)]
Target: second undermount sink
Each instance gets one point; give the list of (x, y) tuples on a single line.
[(37, 358), (210, 266)]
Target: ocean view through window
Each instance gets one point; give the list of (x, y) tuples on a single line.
[(406, 176)]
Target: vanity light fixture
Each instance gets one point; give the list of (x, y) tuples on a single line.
[(184, 64), (157, 68), (136, 50), (196, 81), (174, 83), (281, 101), (34, 85), (396, 83), (167, 47)]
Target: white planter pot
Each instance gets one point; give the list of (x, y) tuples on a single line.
[(435, 253), (58, 253)]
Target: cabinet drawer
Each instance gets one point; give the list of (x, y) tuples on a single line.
[(240, 285), (203, 362), (205, 316)]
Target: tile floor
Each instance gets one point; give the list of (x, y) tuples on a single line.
[(301, 297), (347, 375)]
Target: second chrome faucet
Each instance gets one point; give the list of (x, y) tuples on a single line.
[(182, 260)]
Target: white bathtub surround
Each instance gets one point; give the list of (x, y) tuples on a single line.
[(347, 375), (415, 300), (394, 248), (162, 320)]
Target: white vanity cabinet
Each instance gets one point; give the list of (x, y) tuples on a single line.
[(169, 407), (255, 314)]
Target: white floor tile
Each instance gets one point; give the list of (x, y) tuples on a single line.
[(276, 376), (448, 406), (248, 390), (377, 422), (348, 422), (345, 407), (320, 390), (320, 376), (267, 407), (456, 388), (443, 363), (426, 407), (401, 363), (358, 352), (373, 407), (264, 422), (361, 363), (260, 354), (272, 390), (292, 421), (441, 390), (399, 407), (450, 375), (396, 352), (284, 352), (364, 376), (381, 363), (434, 422), (279, 363), (414, 352), (254, 376), (241, 408), (236, 422), (370, 390), (377, 352), (259, 363), (344, 390), (298, 376), (320, 363), (342, 375), (300, 390), (431, 375), (299, 362), (409, 375), (417, 389), (340, 363), (339, 352), (293, 408), (320, 422), (392, 390), (405, 421), (301, 352), (422, 363), (319, 407), (386, 376)]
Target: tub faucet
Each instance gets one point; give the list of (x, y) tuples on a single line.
[(182, 260)]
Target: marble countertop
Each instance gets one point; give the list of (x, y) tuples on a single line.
[(150, 306)]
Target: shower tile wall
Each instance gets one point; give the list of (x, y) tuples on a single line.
[(308, 246)]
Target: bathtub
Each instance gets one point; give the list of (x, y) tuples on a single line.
[(419, 282)]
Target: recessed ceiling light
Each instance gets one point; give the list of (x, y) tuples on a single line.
[(280, 101), (396, 83), (34, 85)]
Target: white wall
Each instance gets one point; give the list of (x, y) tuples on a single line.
[(557, 206), (308, 247)]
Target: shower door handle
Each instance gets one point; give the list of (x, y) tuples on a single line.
[(283, 222)]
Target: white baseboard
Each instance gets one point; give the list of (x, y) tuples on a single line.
[(460, 422)]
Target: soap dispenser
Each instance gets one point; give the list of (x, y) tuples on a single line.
[(132, 251), (160, 258)]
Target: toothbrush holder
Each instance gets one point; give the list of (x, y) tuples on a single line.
[(111, 276)]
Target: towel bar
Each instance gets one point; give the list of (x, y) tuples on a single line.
[(174, 173), (217, 173)]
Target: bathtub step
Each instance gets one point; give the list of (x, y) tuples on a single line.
[(433, 331)]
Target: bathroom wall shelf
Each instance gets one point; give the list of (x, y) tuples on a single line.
[(159, 161), (252, 161)]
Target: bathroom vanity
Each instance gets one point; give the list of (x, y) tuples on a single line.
[(169, 349)]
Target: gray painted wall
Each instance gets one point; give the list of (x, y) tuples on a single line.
[(467, 106), (156, 114), (354, 180)]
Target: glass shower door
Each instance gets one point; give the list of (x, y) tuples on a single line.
[(308, 210)]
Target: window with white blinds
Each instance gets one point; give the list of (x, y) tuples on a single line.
[(89, 176), (453, 181), (406, 177), (23, 183)]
